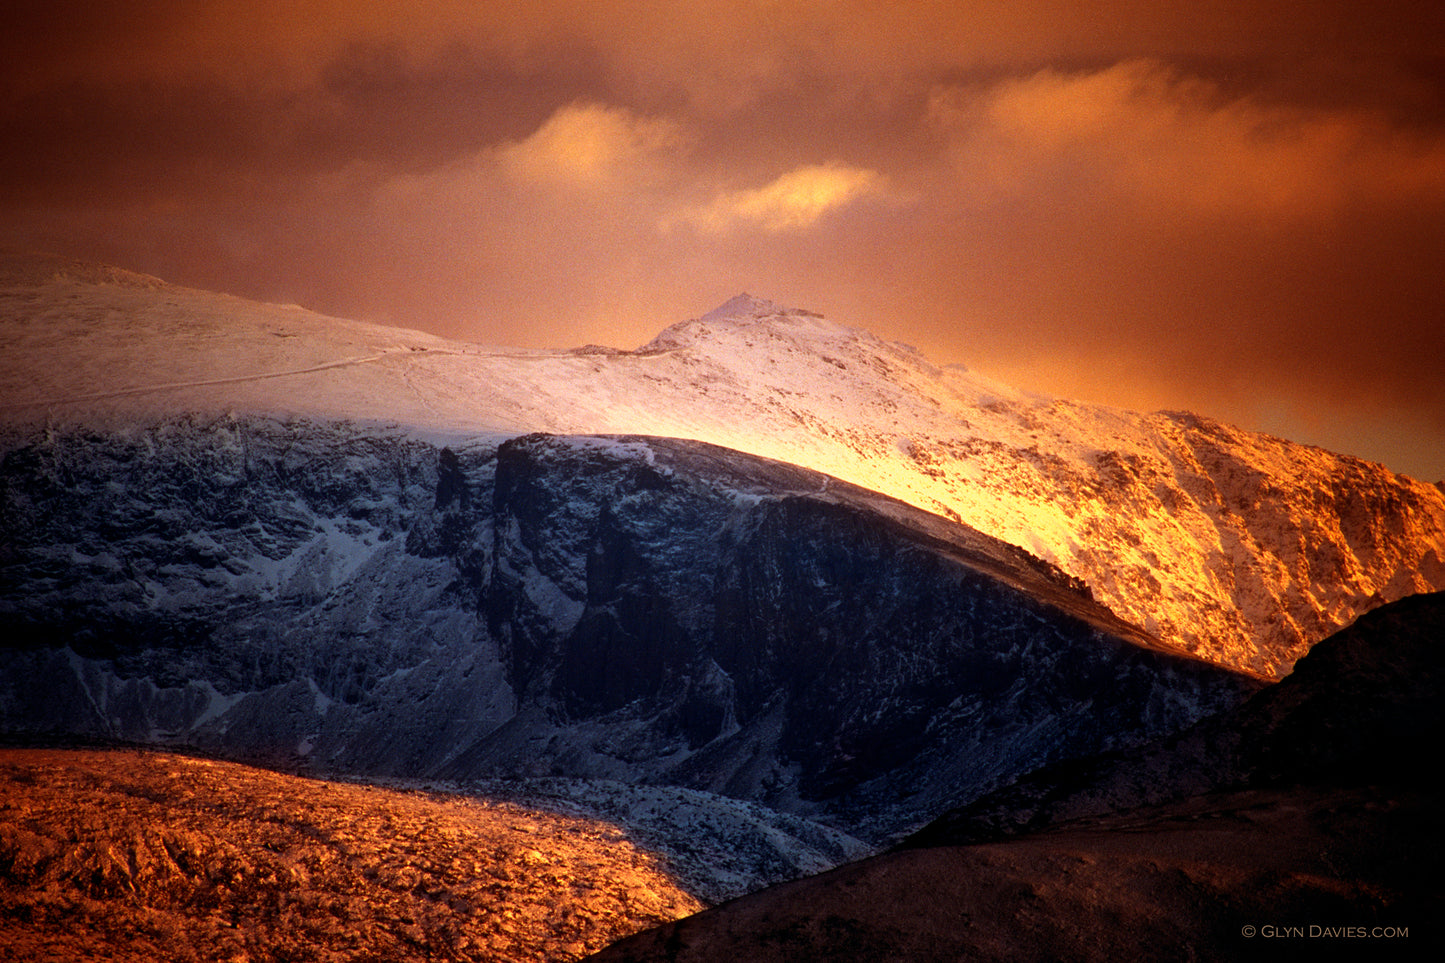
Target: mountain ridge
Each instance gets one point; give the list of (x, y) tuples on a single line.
[(1243, 548), (773, 588)]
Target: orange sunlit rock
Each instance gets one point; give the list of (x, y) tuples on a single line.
[(128, 855)]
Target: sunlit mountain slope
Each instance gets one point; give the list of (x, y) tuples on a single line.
[(1242, 547)]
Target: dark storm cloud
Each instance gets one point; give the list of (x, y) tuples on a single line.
[(1230, 207)]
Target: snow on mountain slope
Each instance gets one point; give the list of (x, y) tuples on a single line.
[(632, 609), (1242, 547)]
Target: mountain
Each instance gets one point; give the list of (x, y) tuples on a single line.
[(1243, 548), (632, 609), (1302, 822), (769, 588)]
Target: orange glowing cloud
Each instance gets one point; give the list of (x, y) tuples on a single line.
[(586, 144), (1173, 143), (793, 201)]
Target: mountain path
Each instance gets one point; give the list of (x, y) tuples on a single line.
[(204, 383)]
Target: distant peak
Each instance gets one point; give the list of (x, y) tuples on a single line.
[(747, 308), (745, 312), (746, 315), (744, 306)]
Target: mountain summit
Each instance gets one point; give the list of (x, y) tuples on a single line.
[(1241, 547), (744, 306), (747, 316)]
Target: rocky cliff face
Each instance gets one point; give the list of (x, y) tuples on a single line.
[(766, 632), (616, 608), (227, 583)]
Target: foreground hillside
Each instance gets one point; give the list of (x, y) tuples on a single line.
[(1241, 547), (1263, 874), (134, 856), (1304, 824)]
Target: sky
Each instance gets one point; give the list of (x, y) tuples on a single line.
[(1235, 208)]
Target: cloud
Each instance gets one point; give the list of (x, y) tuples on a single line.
[(589, 174), (713, 50), (796, 200), (589, 144), (1157, 139)]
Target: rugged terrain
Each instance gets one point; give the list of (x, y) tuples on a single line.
[(1241, 547), (637, 610), (1303, 824), (1355, 712), (137, 856), (767, 591)]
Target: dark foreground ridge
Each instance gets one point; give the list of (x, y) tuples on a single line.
[(1303, 825)]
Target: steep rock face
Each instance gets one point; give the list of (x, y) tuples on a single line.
[(232, 583), (684, 614), (616, 608)]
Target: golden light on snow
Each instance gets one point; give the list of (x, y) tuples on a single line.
[(167, 857)]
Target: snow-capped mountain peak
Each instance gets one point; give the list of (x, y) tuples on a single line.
[(748, 318), (744, 306), (1242, 547)]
